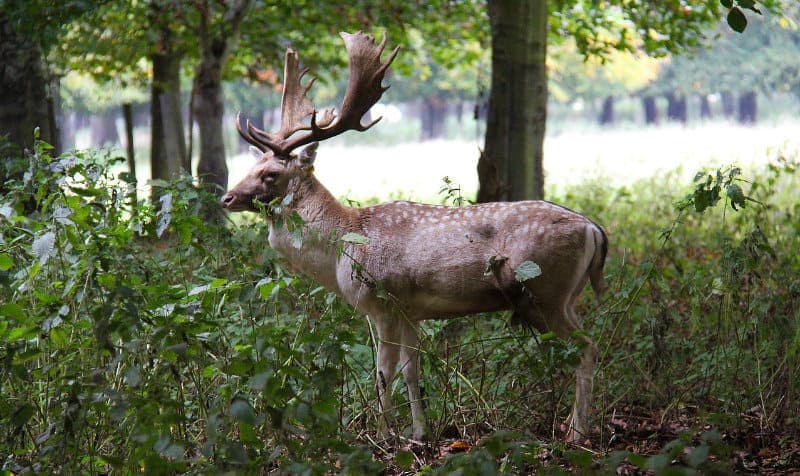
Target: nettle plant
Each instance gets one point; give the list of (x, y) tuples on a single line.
[(137, 336)]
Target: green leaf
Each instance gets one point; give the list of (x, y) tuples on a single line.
[(581, 459), (286, 200), (698, 456), (22, 415), (711, 436), (737, 20), (657, 462), (736, 195), (726, 3), (616, 457), (527, 270), (266, 288), (43, 246), (259, 380), (638, 460), (59, 337), (199, 289), (13, 310), (355, 239), (6, 262), (240, 367), (132, 377), (749, 4), (546, 336), (23, 333), (297, 238), (404, 459), (242, 412), (87, 192)]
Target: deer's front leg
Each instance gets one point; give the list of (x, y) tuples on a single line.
[(388, 354), (409, 361)]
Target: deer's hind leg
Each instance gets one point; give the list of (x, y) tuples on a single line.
[(559, 317)]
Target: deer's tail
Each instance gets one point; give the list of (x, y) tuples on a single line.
[(598, 260)]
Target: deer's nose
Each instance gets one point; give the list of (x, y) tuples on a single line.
[(227, 200)]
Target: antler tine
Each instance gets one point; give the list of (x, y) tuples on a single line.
[(264, 137), (382, 70), (247, 132), (364, 89), (295, 105)]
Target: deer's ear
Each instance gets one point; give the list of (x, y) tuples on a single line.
[(256, 152), (308, 154)]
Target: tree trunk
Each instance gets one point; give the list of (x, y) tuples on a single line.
[(208, 110), (24, 99), (747, 108), (607, 112), (168, 157), (433, 115), (650, 110), (705, 107), (127, 116), (216, 40), (676, 107), (728, 104), (67, 129), (510, 167), (54, 113), (104, 128)]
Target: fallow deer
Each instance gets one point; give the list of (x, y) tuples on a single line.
[(430, 259)]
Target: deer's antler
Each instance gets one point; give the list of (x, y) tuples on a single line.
[(364, 89)]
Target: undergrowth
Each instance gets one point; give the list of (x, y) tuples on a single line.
[(137, 338)]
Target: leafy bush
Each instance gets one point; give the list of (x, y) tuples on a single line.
[(143, 338)]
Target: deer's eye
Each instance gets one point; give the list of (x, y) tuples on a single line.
[(270, 176)]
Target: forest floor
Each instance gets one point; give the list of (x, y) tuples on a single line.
[(628, 440)]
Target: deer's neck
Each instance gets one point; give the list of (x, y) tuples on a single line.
[(324, 220)]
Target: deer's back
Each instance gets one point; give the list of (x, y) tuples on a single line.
[(439, 260)]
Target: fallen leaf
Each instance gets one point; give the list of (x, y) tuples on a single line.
[(459, 446)]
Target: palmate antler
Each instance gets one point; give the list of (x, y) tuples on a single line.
[(364, 89)]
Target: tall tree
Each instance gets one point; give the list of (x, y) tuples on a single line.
[(217, 30), (28, 90), (657, 27), (510, 166), (168, 156), (25, 99)]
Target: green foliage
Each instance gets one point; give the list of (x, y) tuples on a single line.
[(707, 319), (196, 352), (762, 59), (527, 270), (124, 351)]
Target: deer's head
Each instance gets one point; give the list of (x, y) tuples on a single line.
[(269, 178), (277, 164)]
